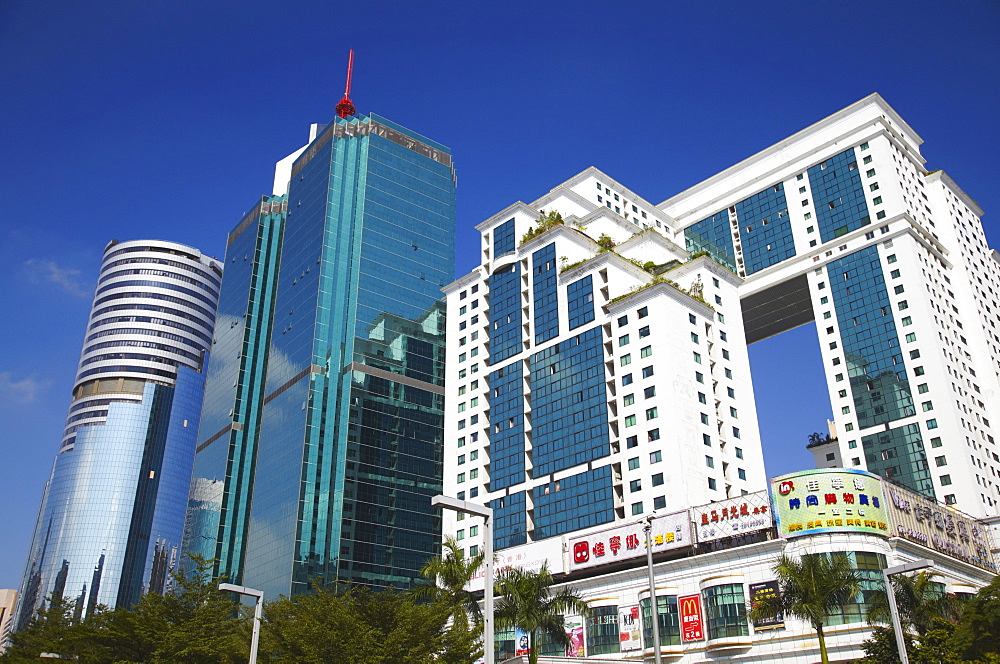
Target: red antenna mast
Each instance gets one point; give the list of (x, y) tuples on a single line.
[(346, 106)]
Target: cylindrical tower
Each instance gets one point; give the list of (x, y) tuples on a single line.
[(112, 514)]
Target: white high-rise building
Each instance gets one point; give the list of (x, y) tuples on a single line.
[(891, 262), (597, 371)]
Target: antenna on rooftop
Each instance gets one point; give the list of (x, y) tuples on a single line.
[(346, 106)]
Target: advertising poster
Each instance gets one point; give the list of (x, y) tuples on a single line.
[(521, 642), (922, 520), (732, 517), (692, 623), (574, 631), (629, 628), (670, 531), (759, 591), (829, 500)]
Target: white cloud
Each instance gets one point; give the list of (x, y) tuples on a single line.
[(67, 279), (21, 391)]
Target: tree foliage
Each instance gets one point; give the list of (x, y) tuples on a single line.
[(811, 587), (196, 624), (447, 577), (361, 625), (526, 601), (920, 602)]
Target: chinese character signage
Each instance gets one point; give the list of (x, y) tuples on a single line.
[(922, 520), (732, 517), (692, 623), (829, 500), (529, 557), (671, 531), (629, 628), (759, 591), (574, 634)]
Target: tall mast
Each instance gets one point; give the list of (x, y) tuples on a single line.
[(346, 106)]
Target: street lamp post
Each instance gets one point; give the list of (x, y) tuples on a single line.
[(475, 509), (257, 613), (654, 608), (897, 628)]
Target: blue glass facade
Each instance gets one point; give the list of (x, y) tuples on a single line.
[(503, 239), (898, 454), (765, 229), (506, 427), (714, 236), (112, 516), (838, 195), (510, 520), (580, 302), (219, 510), (545, 293), (349, 452), (505, 313), (574, 502), (569, 404), (875, 366)]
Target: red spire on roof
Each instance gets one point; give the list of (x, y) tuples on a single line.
[(346, 106)]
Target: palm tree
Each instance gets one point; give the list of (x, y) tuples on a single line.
[(448, 576), (919, 600), (527, 602), (811, 587)]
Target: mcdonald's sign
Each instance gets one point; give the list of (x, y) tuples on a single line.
[(692, 623)]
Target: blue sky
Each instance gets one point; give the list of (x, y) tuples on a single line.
[(163, 119)]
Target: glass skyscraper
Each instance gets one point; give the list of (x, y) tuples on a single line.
[(112, 515), (322, 465)]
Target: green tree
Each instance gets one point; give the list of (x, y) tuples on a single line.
[(920, 601), (447, 577), (811, 587), (978, 632), (360, 625), (527, 601), (50, 630)]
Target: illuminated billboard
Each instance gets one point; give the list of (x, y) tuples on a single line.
[(829, 500), (732, 517)]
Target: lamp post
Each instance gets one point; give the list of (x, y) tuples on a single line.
[(654, 608), (475, 509), (897, 628), (257, 613)]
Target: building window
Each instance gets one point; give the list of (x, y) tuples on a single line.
[(697, 357), (692, 319), (657, 479), (945, 480), (940, 461), (622, 321), (706, 439), (628, 400), (649, 392), (653, 434), (702, 398), (704, 418), (742, 474), (626, 380), (626, 359), (651, 413), (637, 508), (633, 463), (911, 337), (711, 483), (736, 432), (646, 352), (694, 337), (643, 332), (659, 503), (725, 611), (655, 457), (623, 340), (927, 405), (643, 312), (631, 441), (630, 421), (709, 461), (635, 485), (698, 376), (950, 499), (647, 372), (739, 452)]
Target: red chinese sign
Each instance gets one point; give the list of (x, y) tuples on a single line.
[(692, 623)]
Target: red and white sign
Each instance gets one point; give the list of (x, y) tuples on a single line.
[(692, 623), (732, 517), (671, 531)]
